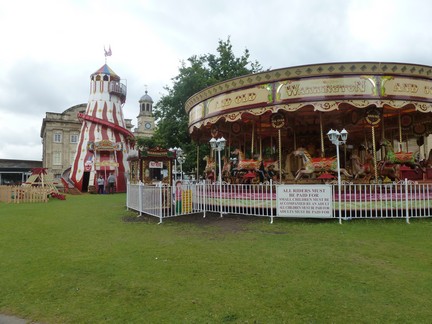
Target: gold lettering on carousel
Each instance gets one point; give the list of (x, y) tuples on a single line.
[(298, 90), (245, 97), (405, 87), (226, 102), (428, 89)]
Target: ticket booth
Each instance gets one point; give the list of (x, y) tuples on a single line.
[(151, 166)]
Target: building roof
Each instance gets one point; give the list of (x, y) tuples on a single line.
[(146, 98), (19, 164), (105, 69)]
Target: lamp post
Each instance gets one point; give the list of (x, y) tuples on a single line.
[(181, 159), (177, 152), (337, 139), (218, 145)]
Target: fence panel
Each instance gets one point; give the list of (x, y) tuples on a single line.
[(394, 200), (20, 194), (165, 201), (404, 199)]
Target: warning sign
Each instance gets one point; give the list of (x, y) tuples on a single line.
[(304, 201)]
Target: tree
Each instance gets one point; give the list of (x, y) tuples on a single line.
[(198, 73)]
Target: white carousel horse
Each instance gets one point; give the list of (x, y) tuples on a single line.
[(311, 165)]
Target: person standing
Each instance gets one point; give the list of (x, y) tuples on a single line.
[(100, 183), (111, 183)]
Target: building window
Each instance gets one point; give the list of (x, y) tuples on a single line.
[(74, 138), (57, 137), (57, 156)]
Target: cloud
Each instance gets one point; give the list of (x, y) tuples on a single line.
[(50, 49)]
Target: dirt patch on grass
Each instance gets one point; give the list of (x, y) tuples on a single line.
[(227, 223)]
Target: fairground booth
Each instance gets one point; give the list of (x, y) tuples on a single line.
[(151, 166)]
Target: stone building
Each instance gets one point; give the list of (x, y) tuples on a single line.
[(60, 133)]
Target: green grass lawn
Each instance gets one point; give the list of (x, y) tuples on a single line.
[(78, 261)]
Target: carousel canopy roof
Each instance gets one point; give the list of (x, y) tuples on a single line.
[(331, 95)]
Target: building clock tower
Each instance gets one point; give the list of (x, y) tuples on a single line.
[(145, 118)]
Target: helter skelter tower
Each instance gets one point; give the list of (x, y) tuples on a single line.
[(104, 139)]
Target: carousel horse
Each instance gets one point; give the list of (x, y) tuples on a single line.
[(428, 163), (406, 158), (269, 171), (246, 170), (226, 170), (312, 165), (246, 164), (388, 171), (209, 170), (365, 170), (287, 169), (263, 169)]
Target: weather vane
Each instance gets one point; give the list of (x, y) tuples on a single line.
[(107, 53)]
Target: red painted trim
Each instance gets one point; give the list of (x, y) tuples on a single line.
[(96, 120)]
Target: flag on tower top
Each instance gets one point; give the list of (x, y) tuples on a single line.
[(108, 53)]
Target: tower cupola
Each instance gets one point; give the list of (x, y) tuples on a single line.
[(146, 105)]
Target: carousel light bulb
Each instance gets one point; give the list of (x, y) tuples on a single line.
[(213, 143), (344, 135), (221, 143), (332, 135)]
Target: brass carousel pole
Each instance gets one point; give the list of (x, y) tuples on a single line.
[(400, 133), (197, 163), (374, 154), (322, 136), (260, 139), (271, 144), (253, 139), (382, 136), (373, 117), (228, 150), (260, 148)]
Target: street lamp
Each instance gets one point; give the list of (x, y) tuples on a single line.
[(337, 139), (218, 145), (177, 152), (181, 159)]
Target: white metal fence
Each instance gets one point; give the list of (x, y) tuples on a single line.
[(395, 200)]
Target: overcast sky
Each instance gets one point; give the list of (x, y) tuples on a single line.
[(49, 49)]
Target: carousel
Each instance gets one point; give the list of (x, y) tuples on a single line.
[(274, 124)]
